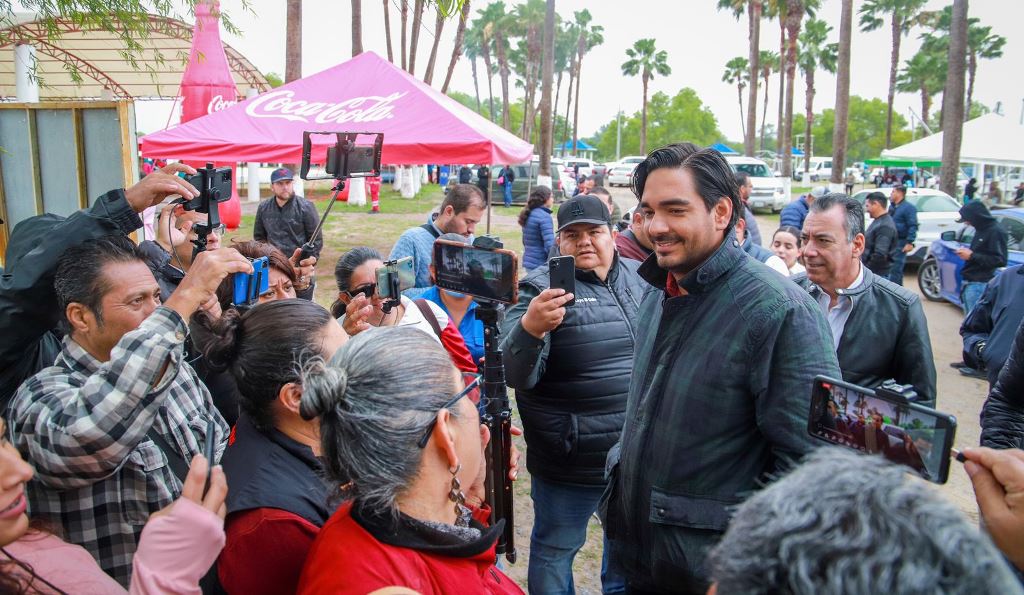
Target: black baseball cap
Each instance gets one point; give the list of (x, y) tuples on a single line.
[(584, 208)]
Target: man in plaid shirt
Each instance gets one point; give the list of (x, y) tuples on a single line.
[(726, 353), (92, 424)]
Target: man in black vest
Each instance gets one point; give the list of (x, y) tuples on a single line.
[(570, 366)]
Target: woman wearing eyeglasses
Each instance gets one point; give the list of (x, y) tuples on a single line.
[(404, 444), (277, 499), (360, 307)]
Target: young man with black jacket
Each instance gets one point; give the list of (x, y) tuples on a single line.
[(987, 253), (881, 242)]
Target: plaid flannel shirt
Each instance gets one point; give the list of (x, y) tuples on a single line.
[(83, 425)]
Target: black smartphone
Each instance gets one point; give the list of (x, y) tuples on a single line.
[(562, 272), (878, 422), (485, 273), (352, 155), (209, 452)]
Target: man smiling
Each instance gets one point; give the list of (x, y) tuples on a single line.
[(726, 352)]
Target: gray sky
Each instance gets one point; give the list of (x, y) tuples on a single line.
[(698, 38)]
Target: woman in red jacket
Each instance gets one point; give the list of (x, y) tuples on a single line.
[(401, 436)]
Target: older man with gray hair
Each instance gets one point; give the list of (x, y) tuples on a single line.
[(878, 328), (844, 522)]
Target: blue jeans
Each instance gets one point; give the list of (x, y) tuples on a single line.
[(896, 272), (508, 194), (970, 293), (560, 516)]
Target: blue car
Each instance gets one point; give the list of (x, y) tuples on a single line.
[(939, 275)]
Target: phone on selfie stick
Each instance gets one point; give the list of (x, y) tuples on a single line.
[(562, 273)]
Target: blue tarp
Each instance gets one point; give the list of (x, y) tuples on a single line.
[(581, 145), (723, 149)]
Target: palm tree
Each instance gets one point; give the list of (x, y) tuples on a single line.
[(776, 9), (547, 81), (414, 37), (293, 45), (953, 112), (981, 43), (921, 74), (494, 24), (815, 53), (481, 34), (769, 63), (753, 8), (428, 76), (473, 52), (903, 14), (405, 24), (645, 60), (737, 73), (565, 51), (573, 31), (794, 14), (590, 36), (460, 37), (842, 112), (387, 30), (357, 27)]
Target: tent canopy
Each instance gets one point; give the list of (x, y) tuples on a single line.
[(723, 149), (581, 145), (363, 94), (990, 139), (902, 163)]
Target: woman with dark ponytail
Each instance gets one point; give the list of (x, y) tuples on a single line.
[(277, 500), (538, 231)]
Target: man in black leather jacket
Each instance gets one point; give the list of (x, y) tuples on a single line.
[(989, 329), (570, 366), (1002, 417), (878, 327)]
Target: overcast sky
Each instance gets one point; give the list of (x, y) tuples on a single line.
[(698, 38)]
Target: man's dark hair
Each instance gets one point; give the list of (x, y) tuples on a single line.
[(742, 178), (461, 196), (711, 173), (602, 192), (878, 198), (80, 279), (853, 221)]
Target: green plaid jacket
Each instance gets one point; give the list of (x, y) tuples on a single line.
[(719, 399)]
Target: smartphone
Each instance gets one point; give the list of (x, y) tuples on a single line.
[(562, 272), (486, 273), (248, 287), (350, 155), (395, 277), (875, 422), (209, 452)]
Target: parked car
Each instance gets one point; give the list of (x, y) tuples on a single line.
[(620, 175), (525, 180), (936, 212), (586, 165), (767, 192), (821, 168), (939, 275)]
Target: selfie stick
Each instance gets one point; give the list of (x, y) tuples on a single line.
[(307, 248), (210, 199)]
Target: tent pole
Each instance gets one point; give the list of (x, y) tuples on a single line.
[(488, 197)]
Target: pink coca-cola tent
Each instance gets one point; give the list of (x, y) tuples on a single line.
[(364, 94)]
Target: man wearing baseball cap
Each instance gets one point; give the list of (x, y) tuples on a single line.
[(287, 221), (570, 367)]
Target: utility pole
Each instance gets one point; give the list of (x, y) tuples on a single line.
[(618, 134)]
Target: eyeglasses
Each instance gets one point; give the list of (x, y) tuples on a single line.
[(219, 230), (472, 391), (368, 290)]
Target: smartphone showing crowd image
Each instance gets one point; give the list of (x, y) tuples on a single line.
[(489, 274), (395, 277), (868, 421), (340, 155)]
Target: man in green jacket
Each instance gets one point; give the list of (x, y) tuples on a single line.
[(726, 353)]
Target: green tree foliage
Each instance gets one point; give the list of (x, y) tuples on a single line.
[(683, 117), (866, 132), (515, 113), (274, 79)]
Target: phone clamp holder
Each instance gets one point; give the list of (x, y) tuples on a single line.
[(900, 392), (394, 290)]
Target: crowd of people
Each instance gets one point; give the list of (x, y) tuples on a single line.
[(159, 437)]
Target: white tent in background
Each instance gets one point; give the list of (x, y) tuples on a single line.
[(990, 140)]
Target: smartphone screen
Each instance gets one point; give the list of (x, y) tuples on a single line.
[(482, 273), (562, 272), (909, 434)]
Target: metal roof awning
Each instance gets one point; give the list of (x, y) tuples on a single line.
[(99, 57), (902, 162)]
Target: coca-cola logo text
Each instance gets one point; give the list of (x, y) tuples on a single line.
[(218, 103), (282, 104)]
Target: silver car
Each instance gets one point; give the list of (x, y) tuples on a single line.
[(936, 212)]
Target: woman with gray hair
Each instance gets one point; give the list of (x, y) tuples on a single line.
[(401, 437)]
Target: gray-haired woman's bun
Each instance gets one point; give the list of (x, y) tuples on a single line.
[(322, 387)]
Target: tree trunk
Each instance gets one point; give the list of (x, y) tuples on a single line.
[(839, 126), (972, 69), (476, 86), (460, 36), (485, 53), (764, 111), (428, 76), (576, 106), (357, 27), (643, 119), (743, 123), (809, 117), (926, 104), (293, 45), (953, 114), (568, 103), (547, 78), (414, 37), (782, 86), (503, 72), (894, 62), (405, 25), (794, 14), (754, 12), (387, 30)]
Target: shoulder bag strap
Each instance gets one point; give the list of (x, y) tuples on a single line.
[(428, 313)]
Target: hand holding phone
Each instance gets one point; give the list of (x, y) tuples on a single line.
[(562, 273), (545, 312)]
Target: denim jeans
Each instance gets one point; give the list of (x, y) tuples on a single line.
[(970, 293), (560, 516), (896, 272), (508, 194)]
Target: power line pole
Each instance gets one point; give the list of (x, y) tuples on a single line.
[(618, 134)]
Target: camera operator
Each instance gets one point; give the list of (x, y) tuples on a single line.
[(287, 221), (111, 425), (170, 255), (570, 367), (843, 522), (29, 312), (878, 328)]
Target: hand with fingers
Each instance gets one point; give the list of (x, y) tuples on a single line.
[(998, 478), (158, 185), (357, 312), (545, 312), (305, 269), (203, 278), (167, 233)]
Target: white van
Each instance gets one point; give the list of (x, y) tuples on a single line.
[(767, 192), (821, 168)]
